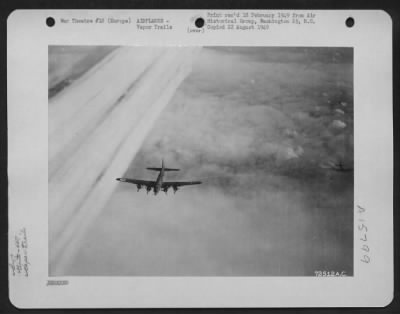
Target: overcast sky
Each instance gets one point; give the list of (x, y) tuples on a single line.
[(256, 125)]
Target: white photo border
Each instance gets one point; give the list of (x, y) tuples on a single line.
[(27, 57)]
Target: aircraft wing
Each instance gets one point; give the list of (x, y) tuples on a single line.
[(135, 181), (181, 183)]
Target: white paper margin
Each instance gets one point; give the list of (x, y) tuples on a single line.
[(372, 284)]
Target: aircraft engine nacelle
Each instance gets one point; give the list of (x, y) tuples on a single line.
[(165, 189), (148, 189), (175, 188), (139, 186)]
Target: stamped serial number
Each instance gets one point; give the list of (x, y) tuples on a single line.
[(329, 273), (57, 282)]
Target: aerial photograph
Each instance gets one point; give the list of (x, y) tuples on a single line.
[(200, 161)]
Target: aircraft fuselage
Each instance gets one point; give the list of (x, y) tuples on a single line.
[(159, 181)]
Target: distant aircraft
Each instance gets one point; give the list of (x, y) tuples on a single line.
[(337, 166), (340, 167), (159, 184)]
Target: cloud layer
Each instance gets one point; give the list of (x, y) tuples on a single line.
[(254, 125)]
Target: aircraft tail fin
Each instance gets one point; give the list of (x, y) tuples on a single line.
[(165, 169)]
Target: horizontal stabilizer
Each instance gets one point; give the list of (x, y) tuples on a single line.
[(165, 169)]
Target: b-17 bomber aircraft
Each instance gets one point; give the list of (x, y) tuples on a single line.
[(337, 166), (159, 184)]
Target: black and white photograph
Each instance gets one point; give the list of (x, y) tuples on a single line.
[(211, 161), (200, 158)]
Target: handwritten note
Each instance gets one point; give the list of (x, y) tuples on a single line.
[(363, 231), (18, 261)]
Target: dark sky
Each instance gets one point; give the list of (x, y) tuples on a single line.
[(258, 126)]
